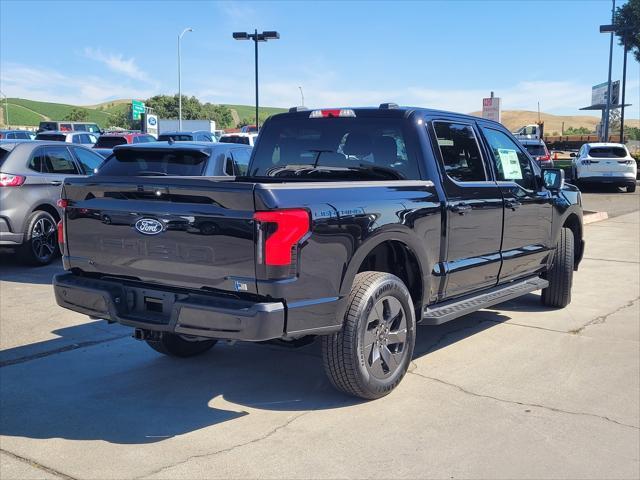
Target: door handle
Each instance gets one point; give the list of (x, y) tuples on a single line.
[(460, 208), (512, 204), (55, 182)]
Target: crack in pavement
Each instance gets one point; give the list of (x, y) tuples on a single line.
[(66, 348), (603, 318), (228, 449), (524, 404), (37, 465), (611, 260)]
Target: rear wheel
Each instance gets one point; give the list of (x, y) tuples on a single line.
[(180, 346), (40, 245), (560, 276), (631, 188), (370, 355)]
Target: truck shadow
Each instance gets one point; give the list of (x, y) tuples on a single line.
[(122, 392), (12, 269)]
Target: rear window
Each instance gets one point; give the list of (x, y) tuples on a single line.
[(345, 147), (607, 152), (144, 139), (48, 126), (110, 142), (51, 138), (3, 154), (176, 138), (535, 150), (158, 162)]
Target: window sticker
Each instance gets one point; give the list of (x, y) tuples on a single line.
[(510, 164)]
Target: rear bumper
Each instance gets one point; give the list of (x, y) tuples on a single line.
[(172, 311), (7, 237), (619, 180)]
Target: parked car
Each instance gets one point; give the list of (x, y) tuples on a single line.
[(538, 151), (103, 152), (65, 126), (605, 163), (112, 139), (243, 138), (178, 159), (196, 136), (31, 176), (16, 135), (249, 129), (350, 224), (69, 137)]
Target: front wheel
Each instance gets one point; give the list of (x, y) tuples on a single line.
[(180, 346), (370, 355), (631, 188), (560, 276)]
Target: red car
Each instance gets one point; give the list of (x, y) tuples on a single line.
[(110, 140)]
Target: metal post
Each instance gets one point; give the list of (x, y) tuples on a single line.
[(624, 84), (179, 88), (301, 96), (608, 106), (255, 39)]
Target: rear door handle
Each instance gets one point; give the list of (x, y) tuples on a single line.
[(460, 208), (55, 182), (512, 204)]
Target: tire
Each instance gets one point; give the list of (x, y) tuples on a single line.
[(40, 245), (370, 355), (631, 188), (179, 346), (560, 276)]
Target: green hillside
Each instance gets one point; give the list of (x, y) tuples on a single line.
[(30, 112)]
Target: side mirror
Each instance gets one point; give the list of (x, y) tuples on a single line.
[(573, 155), (553, 179)]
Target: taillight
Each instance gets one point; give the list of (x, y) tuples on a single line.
[(8, 180), (332, 113), (62, 203), (60, 234), (281, 232), (545, 158)]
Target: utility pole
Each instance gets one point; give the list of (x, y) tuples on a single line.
[(301, 96), (180, 79), (608, 105)]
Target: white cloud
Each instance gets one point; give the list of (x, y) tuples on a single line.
[(117, 63), (52, 86)]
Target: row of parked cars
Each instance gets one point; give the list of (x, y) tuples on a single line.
[(33, 169)]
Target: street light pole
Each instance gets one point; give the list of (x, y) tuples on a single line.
[(624, 85), (256, 37), (301, 96), (6, 107), (180, 79), (608, 106)]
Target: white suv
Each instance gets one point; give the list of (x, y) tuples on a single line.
[(605, 163)]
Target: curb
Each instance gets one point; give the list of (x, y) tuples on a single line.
[(591, 217)]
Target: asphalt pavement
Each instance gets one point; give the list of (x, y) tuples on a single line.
[(515, 391)]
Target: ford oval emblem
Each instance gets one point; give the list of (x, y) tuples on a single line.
[(152, 121), (149, 226)]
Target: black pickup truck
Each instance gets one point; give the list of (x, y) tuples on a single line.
[(352, 225)]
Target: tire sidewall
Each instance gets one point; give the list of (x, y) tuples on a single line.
[(27, 247), (390, 285)]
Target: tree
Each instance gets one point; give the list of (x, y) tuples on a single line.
[(166, 106), (627, 25), (576, 131), (122, 119), (77, 115)]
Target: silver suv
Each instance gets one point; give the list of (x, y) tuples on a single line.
[(82, 138), (31, 176)]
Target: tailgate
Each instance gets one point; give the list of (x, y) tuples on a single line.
[(177, 231)]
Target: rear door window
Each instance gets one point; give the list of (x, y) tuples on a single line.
[(80, 127), (241, 157), (38, 161), (149, 162), (459, 151), (60, 161)]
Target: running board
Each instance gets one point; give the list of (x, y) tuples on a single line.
[(441, 313)]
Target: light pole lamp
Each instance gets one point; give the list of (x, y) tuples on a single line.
[(180, 79), (257, 37)]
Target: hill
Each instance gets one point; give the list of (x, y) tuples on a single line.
[(25, 112), (514, 119)]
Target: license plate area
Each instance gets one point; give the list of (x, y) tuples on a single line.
[(152, 306)]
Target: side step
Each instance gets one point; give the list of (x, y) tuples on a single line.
[(443, 312)]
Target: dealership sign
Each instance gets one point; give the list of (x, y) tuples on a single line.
[(491, 108), (151, 124), (599, 93)]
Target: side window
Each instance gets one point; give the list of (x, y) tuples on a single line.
[(38, 161), (11, 135), (91, 139), (66, 127), (76, 138), (80, 127), (512, 164), (461, 157), (59, 160), (241, 158), (88, 160)]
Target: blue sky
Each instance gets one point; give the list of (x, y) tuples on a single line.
[(441, 54)]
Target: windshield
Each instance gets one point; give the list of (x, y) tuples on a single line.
[(353, 148), (535, 150), (110, 142), (607, 152), (154, 162)]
